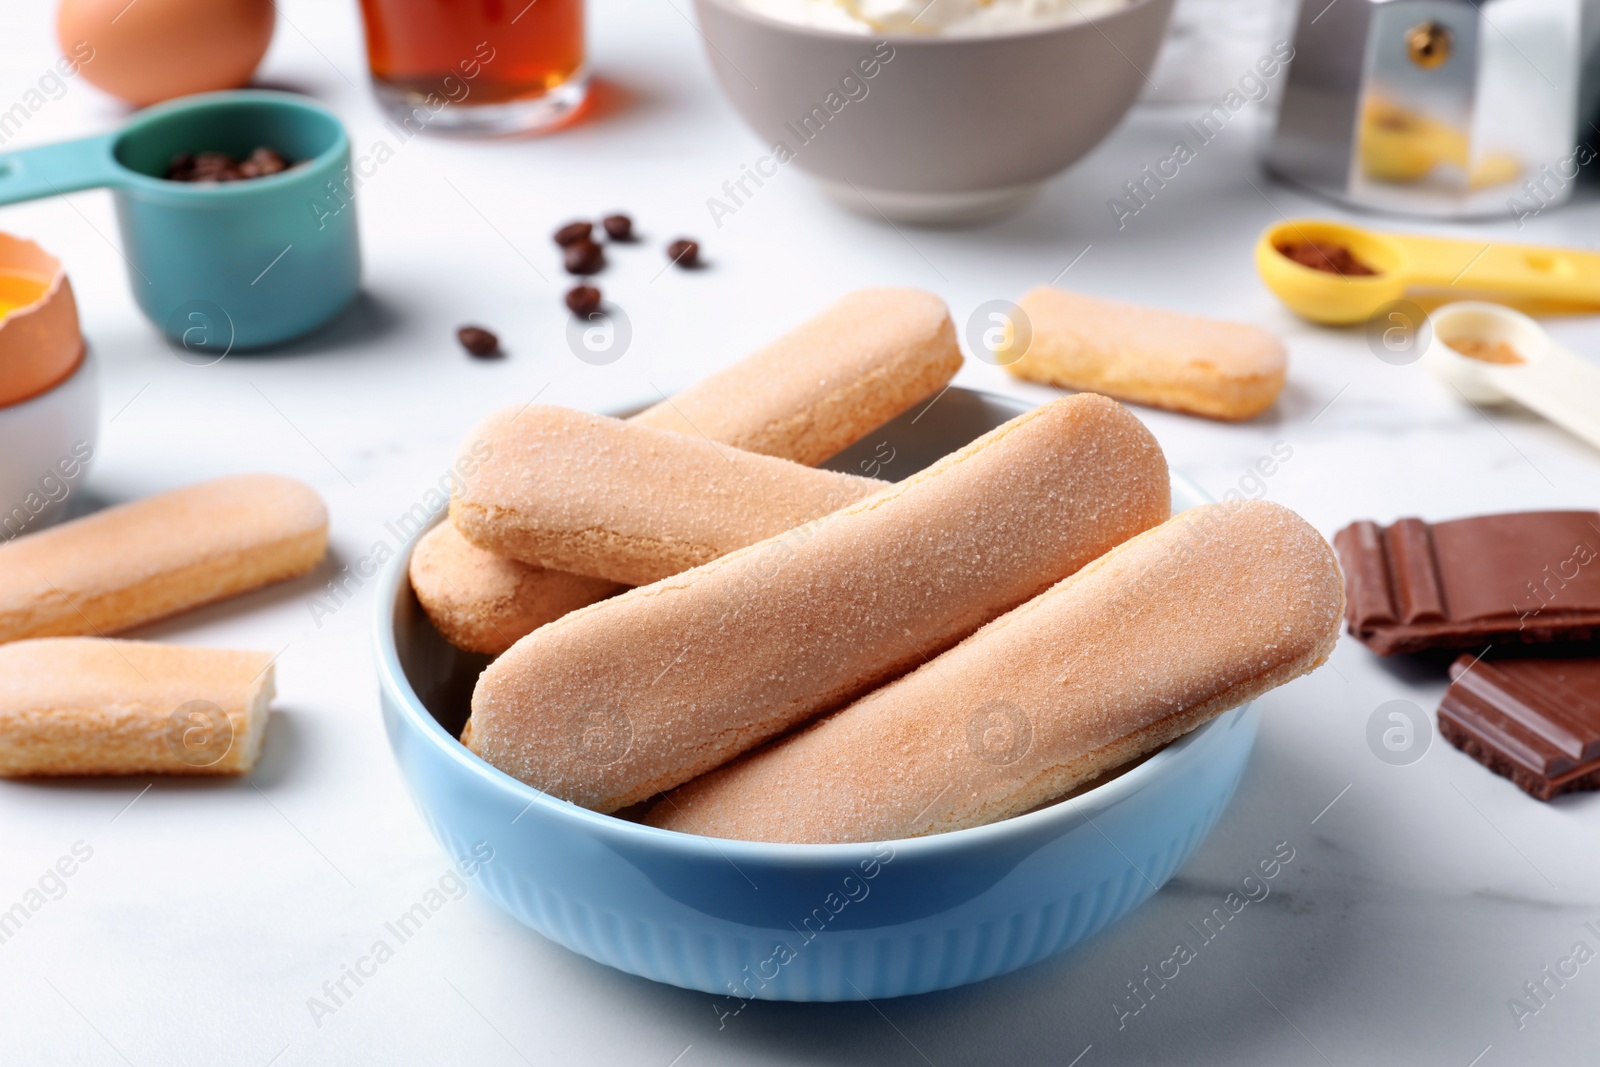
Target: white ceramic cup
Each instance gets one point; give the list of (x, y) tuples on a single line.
[(46, 444)]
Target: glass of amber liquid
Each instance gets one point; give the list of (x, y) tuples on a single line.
[(476, 66)]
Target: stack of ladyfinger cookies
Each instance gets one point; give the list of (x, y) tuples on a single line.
[(76, 702), (803, 398), (697, 629)]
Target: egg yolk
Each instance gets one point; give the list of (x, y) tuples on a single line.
[(20, 290)]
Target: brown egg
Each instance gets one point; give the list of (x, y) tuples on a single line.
[(152, 50)]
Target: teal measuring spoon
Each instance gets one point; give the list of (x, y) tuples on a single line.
[(229, 265)]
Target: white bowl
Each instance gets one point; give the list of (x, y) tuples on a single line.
[(46, 443)]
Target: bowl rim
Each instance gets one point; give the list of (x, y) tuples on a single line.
[(930, 40), (392, 680), (129, 179)]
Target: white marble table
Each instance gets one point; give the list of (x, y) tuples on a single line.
[(1419, 899)]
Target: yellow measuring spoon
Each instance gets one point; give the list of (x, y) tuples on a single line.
[(1404, 265)]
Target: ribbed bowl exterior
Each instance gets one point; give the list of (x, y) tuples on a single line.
[(931, 918)]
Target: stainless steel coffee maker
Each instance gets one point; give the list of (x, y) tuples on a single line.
[(1441, 108)]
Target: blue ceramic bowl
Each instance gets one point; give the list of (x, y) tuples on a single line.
[(800, 922), (222, 266)]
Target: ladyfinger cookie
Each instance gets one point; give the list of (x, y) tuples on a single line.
[(640, 693), (576, 492), (1222, 370), (810, 394), (90, 705), (153, 557), (483, 602), (1164, 632), (825, 384)]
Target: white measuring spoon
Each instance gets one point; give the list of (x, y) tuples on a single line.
[(1547, 378)]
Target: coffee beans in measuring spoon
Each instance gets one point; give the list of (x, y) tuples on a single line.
[(478, 341), (221, 167)]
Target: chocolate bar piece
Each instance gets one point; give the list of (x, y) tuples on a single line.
[(1535, 721), (1525, 578)]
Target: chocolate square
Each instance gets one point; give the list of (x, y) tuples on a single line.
[(1525, 577), (1535, 721)]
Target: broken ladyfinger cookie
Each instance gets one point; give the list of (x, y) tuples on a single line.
[(92, 706)]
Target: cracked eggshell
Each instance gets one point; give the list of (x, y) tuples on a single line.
[(40, 344)]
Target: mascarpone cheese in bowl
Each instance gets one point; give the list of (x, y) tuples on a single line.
[(931, 111), (953, 18)]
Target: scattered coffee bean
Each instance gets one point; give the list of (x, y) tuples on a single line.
[(684, 252), (221, 167), (584, 257), (478, 341), (572, 233), (618, 227), (583, 300)]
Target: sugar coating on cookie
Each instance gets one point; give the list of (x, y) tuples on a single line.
[(577, 492), (483, 602), (153, 557), (1162, 633), (1223, 370), (825, 384), (623, 699), (90, 705)]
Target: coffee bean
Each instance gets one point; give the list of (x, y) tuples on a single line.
[(684, 252), (618, 227), (215, 167), (221, 167), (478, 341), (584, 257), (573, 232), (583, 300), (262, 162)]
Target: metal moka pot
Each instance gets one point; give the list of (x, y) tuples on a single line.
[(1439, 108)]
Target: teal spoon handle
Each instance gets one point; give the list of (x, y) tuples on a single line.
[(51, 169)]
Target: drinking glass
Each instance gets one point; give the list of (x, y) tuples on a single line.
[(476, 66)]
